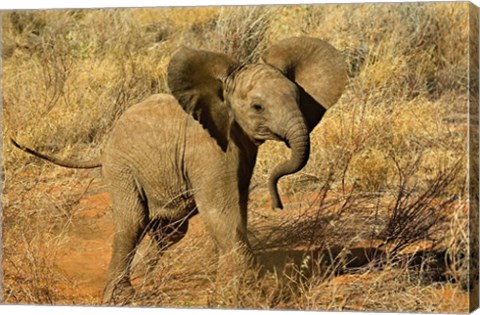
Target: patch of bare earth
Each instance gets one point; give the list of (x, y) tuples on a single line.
[(86, 252)]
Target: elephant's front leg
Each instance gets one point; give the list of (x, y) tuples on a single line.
[(230, 233), (224, 212)]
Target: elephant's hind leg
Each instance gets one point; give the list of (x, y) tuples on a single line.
[(130, 215)]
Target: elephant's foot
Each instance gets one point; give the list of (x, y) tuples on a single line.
[(118, 294), (237, 272)]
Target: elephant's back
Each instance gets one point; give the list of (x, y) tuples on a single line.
[(156, 116), (155, 111)]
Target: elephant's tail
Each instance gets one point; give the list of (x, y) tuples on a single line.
[(70, 164)]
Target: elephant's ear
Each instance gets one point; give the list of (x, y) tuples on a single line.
[(316, 67), (195, 78)]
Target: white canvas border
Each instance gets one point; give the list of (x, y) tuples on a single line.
[(57, 4)]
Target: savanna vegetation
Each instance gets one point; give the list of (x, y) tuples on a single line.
[(377, 220)]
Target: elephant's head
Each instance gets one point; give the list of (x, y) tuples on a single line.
[(282, 98)]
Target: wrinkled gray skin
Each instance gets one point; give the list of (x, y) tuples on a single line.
[(173, 156)]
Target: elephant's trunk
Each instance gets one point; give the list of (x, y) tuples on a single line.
[(297, 136)]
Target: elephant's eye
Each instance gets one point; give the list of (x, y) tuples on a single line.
[(257, 107)]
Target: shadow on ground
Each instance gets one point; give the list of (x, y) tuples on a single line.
[(339, 260)]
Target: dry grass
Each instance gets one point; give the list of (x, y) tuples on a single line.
[(375, 221)]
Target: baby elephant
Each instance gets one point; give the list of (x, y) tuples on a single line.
[(173, 156)]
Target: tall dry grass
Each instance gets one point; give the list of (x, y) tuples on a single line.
[(390, 155)]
